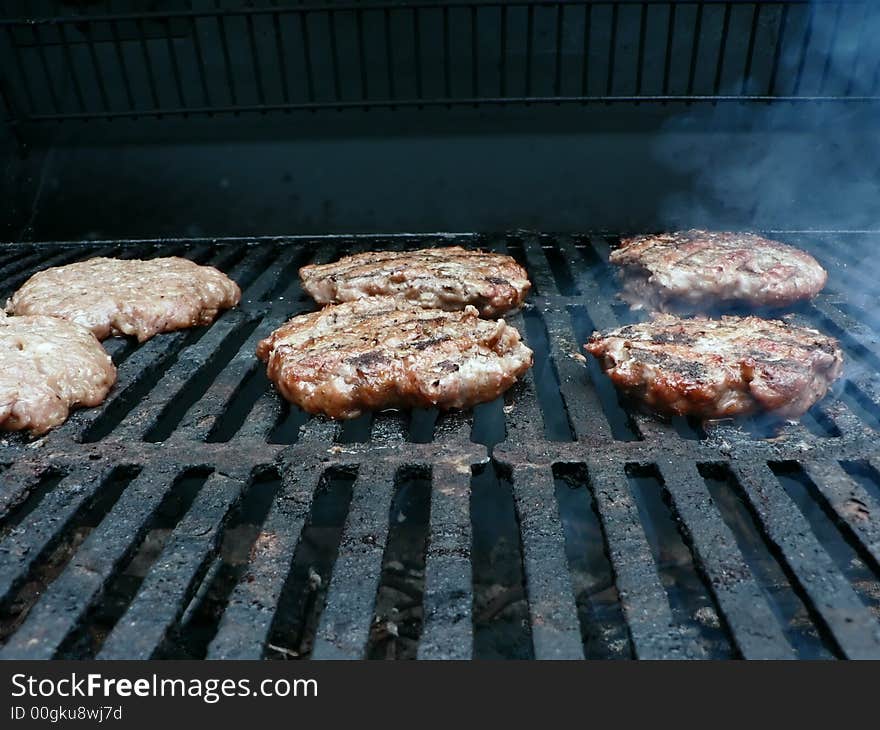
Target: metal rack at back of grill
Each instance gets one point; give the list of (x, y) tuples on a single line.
[(117, 60), (194, 514)]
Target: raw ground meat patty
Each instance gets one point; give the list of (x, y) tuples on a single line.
[(693, 270), (385, 352), (435, 278), (717, 368), (128, 296), (47, 367)]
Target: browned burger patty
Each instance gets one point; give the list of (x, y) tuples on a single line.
[(48, 366), (385, 352), (690, 270), (717, 368), (434, 278), (128, 297)]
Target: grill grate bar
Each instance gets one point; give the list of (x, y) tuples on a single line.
[(345, 623), (582, 403), (750, 619), (67, 599), (17, 482), (447, 631), (135, 371), (247, 620), (190, 365), (555, 629), (644, 602), (201, 418), (22, 548), (852, 626), (852, 504), (164, 594)]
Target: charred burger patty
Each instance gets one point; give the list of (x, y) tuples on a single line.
[(690, 270), (717, 368), (436, 278), (386, 352)]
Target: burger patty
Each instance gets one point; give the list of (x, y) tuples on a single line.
[(128, 297), (48, 366), (689, 270), (716, 368), (386, 352), (434, 278)]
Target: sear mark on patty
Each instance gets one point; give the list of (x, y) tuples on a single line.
[(386, 352), (435, 278), (714, 368), (691, 271)]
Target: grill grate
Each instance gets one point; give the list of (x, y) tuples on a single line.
[(195, 514)]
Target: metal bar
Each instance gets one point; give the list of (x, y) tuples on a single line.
[(502, 60), (750, 53), (832, 43), (67, 599), (136, 369), (71, 69), (345, 623), (585, 68), (334, 55), (852, 626), (389, 53), (245, 625), (777, 51), (202, 417), (722, 47), (530, 43), (585, 414), (640, 58), (670, 37), (475, 53), (852, 504), (255, 59), (362, 59), (805, 45), (148, 64), (695, 49), (20, 67), (447, 102), (41, 52), (175, 69), (643, 600), (188, 368), (307, 54), (754, 628), (612, 49), (165, 591), (200, 62), (25, 546), (227, 61), (417, 51), (557, 74), (447, 631), (556, 631), (857, 53), (123, 66), (282, 61), (347, 6)]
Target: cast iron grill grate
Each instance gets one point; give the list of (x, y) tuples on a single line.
[(195, 514)]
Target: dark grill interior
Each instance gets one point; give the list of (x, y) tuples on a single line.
[(195, 514)]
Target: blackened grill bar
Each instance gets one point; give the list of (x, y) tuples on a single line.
[(81, 505)]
